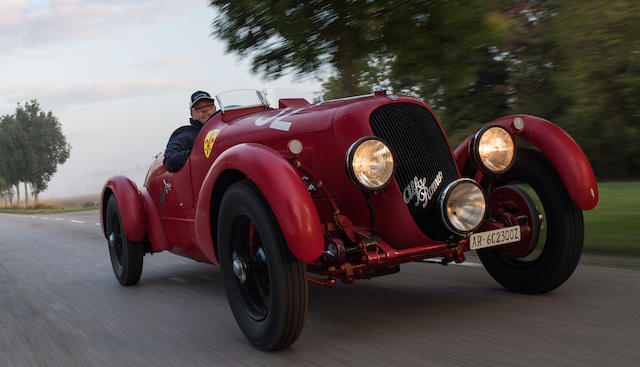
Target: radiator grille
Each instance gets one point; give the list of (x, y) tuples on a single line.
[(421, 152)]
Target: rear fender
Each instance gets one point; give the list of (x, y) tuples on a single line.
[(561, 150), (130, 204), (280, 185)]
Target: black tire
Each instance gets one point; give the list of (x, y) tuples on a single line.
[(270, 305), (559, 249), (126, 255)]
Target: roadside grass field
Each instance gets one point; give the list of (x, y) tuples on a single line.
[(63, 205), (47, 210), (614, 225)]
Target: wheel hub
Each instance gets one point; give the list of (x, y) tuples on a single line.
[(240, 269), (112, 240), (513, 206)]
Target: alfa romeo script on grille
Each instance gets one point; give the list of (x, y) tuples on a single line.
[(417, 188)]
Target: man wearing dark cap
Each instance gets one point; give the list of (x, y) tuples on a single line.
[(182, 140)]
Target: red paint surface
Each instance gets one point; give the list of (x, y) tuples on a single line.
[(130, 204), (283, 189), (155, 229)]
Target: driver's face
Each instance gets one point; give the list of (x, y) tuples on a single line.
[(202, 110)]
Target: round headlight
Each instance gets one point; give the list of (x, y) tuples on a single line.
[(463, 206), (370, 163), (493, 149)]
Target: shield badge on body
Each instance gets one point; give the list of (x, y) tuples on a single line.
[(209, 140)]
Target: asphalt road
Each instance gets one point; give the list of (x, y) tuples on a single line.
[(61, 305)]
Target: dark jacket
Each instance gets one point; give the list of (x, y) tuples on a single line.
[(180, 145)]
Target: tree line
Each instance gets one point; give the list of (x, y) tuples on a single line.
[(574, 62), (32, 146)]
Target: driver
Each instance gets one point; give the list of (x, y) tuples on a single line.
[(181, 141)]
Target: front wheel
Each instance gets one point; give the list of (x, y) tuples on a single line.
[(554, 244), (265, 284), (126, 255)]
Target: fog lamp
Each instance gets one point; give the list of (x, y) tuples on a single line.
[(463, 206)]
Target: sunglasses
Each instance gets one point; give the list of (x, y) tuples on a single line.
[(204, 107)]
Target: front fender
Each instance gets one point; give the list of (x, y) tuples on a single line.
[(281, 186), (130, 204), (563, 152)]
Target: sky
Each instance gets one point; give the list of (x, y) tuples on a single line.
[(118, 75)]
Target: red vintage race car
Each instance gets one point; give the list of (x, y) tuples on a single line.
[(350, 189)]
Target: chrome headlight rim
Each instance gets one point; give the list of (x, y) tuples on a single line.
[(349, 161), (443, 208), (474, 150)]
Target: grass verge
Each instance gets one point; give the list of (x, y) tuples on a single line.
[(614, 225), (48, 210)]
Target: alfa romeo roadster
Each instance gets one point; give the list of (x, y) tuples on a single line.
[(351, 189)]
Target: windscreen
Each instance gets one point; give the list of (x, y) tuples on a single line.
[(240, 98)]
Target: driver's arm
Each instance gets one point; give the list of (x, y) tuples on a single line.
[(178, 150)]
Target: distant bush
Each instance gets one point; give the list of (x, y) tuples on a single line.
[(46, 205)]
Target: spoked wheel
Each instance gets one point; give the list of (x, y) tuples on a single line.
[(265, 284), (126, 256), (532, 194)]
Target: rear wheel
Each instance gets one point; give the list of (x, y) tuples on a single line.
[(552, 247), (126, 255), (265, 284)]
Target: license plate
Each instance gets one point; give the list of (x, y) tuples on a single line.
[(494, 238)]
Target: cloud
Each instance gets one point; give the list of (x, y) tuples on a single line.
[(12, 15), (28, 24), (62, 95), (162, 63)]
